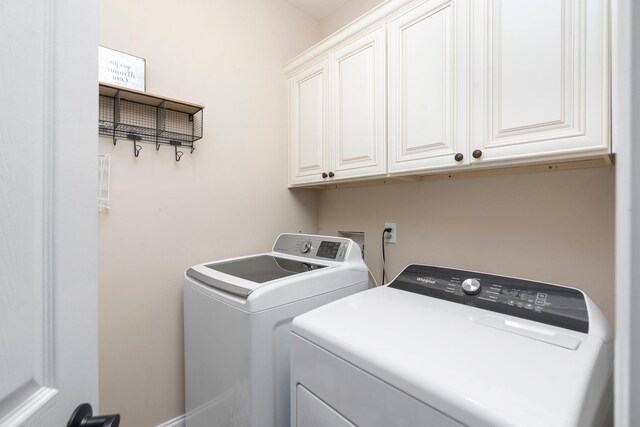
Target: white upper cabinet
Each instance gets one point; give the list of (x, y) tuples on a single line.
[(458, 85), (308, 115), (428, 94), (541, 83), (338, 114), (358, 94)]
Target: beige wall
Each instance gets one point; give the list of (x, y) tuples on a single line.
[(345, 14), (228, 198), (553, 226)]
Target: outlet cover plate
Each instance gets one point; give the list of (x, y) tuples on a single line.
[(391, 237)]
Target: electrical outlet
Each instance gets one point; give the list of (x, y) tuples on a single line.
[(390, 237)]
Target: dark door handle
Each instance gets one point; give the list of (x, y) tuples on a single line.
[(82, 417), (476, 154), (324, 174), (459, 157), (331, 174)]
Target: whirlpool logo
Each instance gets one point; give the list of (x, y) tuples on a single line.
[(428, 280)]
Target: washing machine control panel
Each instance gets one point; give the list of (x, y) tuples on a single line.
[(542, 302), (315, 247)]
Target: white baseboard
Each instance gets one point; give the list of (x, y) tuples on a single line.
[(176, 422)]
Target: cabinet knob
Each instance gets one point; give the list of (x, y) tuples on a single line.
[(331, 174), (476, 154), (324, 174), (458, 157)]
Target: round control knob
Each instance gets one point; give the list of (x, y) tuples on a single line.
[(471, 286), (306, 247), (458, 157), (476, 154)]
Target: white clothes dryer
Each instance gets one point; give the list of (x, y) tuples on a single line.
[(237, 321), (445, 347)]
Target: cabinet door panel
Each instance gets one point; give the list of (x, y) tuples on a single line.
[(356, 106), (308, 139), (529, 74), (358, 120), (542, 72), (426, 87)]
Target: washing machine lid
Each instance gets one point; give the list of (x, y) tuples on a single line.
[(251, 271), (264, 268), (294, 258), (479, 367)]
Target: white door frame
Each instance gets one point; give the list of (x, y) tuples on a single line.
[(626, 138), (48, 210)]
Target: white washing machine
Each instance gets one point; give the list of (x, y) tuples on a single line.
[(237, 322), (444, 347)]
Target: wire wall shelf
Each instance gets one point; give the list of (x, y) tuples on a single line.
[(138, 116)]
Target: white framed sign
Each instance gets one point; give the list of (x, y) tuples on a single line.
[(121, 69)]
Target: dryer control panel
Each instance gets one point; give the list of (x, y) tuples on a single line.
[(542, 302), (315, 247)]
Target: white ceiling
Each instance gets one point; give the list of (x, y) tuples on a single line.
[(318, 8)]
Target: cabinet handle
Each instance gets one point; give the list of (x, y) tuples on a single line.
[(459, 157), (324, 174), (331, 174), (476, 154)]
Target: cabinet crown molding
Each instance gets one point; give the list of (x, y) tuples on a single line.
[(380, 14)]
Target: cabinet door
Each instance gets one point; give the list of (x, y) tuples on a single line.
[(541, 73), (428, 94), (308, 112), (358, 107)]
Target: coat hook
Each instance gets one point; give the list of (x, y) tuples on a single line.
[(136, 149), (193, 147), (157, 146), (178, 153)]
